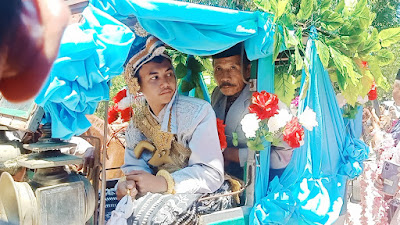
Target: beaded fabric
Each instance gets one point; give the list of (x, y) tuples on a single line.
[(163, 141)]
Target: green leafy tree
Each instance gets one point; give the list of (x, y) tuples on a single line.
[(350, 47)]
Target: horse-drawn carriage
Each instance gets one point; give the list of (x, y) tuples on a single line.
[(312, 188)]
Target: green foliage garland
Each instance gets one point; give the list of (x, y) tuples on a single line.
[(350, 47)]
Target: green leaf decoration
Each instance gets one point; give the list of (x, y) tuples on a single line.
[(333, 74), (331, 20), (288, 19), (360, 6), (366, 83), (278, 40), (306, 9), (267, 5), (339, 45), (285, 87), (350, 111), (235, 139), (255, 144), (180, 70), (371, 44), (206, 62), (269, 136), (352, 42), (298, 59), (376, 71), (340, 6), (389, 36), (345, 68), (186, 86), (194, 65), (290, 39), (281, 8), (384, 57), (351, 27), (324, 5), (351, 93), (323, 52)]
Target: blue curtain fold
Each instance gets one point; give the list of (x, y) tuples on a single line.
[(314, 182), (90, 55)]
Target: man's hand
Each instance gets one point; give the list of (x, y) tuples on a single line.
[(88, 162), (147, 182), (124, 186)]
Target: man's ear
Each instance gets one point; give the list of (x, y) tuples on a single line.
[(247, 72)]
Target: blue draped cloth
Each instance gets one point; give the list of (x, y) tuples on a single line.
[(90, 54), (312, 188)]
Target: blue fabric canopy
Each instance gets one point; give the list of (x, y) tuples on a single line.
[(312, 188), (93, 52)]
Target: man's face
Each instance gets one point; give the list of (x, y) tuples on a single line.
[(30, 47), (396, 92), (228, 74), (157, 82)]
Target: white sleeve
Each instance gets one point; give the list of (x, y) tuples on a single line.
[(82, 146), (133, 136), (204, 173)]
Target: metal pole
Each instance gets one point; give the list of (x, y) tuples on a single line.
[(103, 169)]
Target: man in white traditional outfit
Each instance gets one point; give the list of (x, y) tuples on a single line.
[(230, 101), (172, 140)]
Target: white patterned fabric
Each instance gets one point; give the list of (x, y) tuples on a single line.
[(194, 124)]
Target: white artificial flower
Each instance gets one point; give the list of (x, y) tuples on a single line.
[(308, 118), (124, 103), (250, 124), (341, 100), (279, 120), (362, 100)]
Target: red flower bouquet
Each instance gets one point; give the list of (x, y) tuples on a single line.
[(265, 104), (122, 106), (221, 133), (293, 134), (271, 120)]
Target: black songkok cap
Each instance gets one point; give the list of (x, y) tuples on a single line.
[(398, 75), (235, 50)]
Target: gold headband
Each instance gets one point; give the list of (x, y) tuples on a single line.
[(153, 48)]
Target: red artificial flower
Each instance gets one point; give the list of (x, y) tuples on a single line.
[(120, 95), (373, 93), (364, 64), (221, 133), (293, 133), (126, 114), (112, 114), (265, 104)]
